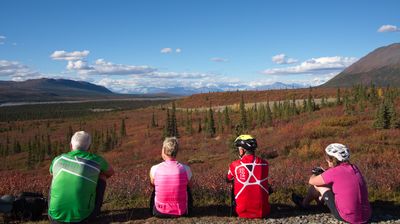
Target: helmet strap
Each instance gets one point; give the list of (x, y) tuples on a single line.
[(241, 150)]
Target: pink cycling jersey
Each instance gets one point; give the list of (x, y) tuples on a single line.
[(171, 179), (350, 190)]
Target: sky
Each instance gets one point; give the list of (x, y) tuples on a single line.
[(140, 45)]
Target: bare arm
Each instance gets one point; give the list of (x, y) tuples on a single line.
[(316, 180), (108, 173)]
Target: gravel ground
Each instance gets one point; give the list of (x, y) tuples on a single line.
[(324, 218)]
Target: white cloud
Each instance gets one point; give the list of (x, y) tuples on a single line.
[(388, 28), (216, 59), (283, 59), (169, 50), (166, 50), (322, 65), (78, 65), (107, 68), (69, 56), (173, 75), (2, 39), (16, 70)]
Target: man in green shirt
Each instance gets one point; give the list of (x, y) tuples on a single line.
[(79, 182)]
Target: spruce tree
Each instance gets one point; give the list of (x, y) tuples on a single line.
[(243, 116), (122, 130), (394, 121), (261, 115), (382, 117), (227, 120), (167, 127), (174, 124), (48, 146), (188, 123), (220, 124), (210, 128), (153, 121), (69, 134), (29, 160), (268, 115), (199, 128), (323, 102), (338, 99)]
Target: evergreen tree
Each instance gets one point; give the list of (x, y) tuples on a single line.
[(323, 102), (153, 121), (227, 120), (310, 103), (305, 105), (268, 115), (48, 145), (122, 131), (188, 123), (348, 107), (261, 116), (394, 121), (210, 128), (220, 124), (29, 161), (338, 99), (167, 127), (275, 110), (174, 124), (69, 134), (382, 117), (243, 116), (199, 129)]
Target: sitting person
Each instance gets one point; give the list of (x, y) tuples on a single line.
[(171, 180), (342, 187), (79, 182), (249, 175)]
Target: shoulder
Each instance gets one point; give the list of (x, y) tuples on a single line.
[(154, 168), (234, 164), (261, 160)]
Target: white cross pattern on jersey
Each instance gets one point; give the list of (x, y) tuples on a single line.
[(251, 174)]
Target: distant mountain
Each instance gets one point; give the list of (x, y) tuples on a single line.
[(380, 67), (39, 90), (186, 91)]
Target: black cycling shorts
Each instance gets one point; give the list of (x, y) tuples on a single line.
[(329, 199)]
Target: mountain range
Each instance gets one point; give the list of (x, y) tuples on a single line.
[(380, 67), (44, 89)]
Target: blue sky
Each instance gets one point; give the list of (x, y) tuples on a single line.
[(132, 46)]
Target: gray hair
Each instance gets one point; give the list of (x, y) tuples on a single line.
[(81, 140), (170, 146)]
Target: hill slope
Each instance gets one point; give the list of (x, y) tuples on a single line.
[(381, 67), (40, 90)]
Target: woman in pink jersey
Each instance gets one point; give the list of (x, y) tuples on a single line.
[(171, 180), (342, 187)]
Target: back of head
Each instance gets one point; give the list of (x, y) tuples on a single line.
[(338, 151), (247, 142), (170, 146), (81, 140)]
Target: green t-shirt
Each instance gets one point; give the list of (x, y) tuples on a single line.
[(73, 188)]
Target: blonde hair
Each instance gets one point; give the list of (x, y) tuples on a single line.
[(170, 146), (81, 140)]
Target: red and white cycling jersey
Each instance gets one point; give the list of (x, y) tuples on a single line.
[(250, 175)]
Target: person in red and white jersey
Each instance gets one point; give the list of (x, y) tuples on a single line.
[(249, 175)]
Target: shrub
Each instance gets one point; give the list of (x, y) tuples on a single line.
[(343, 121), (324, 132), (193, 161)]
